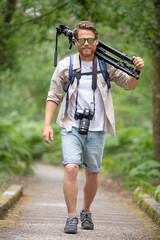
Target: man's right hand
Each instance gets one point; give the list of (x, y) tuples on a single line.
[(48, 132)]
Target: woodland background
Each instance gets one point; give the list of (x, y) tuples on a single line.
[(27, 42)]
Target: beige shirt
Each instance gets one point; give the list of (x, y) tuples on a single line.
[(60, 79)]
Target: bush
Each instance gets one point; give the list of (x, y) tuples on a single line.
[(130, 156), (154, 191), (20, 143)]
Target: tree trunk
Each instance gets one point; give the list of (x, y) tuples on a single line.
[(156, 101), (10, 9), (156, 82)]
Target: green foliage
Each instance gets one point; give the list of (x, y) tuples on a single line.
[(153, 191), (29, 22), (146, 26), (5, 179), (20, 143), (130, 156), (157, 193), (54, 154), (12, 148)]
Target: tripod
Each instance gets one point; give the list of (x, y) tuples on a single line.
[(101, 53)]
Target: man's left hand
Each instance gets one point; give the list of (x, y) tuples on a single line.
[(138, 63)]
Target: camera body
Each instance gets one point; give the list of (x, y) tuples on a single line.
[(85, 116)]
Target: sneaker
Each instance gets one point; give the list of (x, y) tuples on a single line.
[(86, 220), (71, 225)]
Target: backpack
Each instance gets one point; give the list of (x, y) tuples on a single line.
[(72, 75)]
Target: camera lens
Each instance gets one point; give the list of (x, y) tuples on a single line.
[(84, 126)]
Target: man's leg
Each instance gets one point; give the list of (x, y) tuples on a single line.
[(70, 188), (90, 189), (72, 149), (92, 157)]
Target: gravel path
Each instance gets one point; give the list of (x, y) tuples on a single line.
[(41, 213)]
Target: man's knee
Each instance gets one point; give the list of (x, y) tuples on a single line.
[(71, 170), (93, 176)]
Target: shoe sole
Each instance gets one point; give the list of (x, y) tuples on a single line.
[(70, 232), (87, 228)]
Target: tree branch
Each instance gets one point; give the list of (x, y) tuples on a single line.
[(19, 25)]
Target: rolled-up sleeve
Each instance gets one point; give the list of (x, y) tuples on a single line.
[(58, 81), (119, 77)]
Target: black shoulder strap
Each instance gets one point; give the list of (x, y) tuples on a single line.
[(94, 74)]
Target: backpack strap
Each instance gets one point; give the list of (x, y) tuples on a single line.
[(72, 74), (103, 69)]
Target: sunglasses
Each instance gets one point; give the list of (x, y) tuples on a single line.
[(83, 40)]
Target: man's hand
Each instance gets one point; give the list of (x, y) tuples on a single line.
[(138, 63), (48, 132)]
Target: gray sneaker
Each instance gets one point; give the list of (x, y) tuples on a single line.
[(86, 220), (71, 225)]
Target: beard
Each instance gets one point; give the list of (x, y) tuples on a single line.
[(87, 51)]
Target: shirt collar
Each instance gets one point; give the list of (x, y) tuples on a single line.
[(76, 63)]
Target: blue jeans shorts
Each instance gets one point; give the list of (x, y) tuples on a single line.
[(91, 146)]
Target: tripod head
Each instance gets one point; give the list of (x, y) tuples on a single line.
[(100, 53), (62, 29), (65, 30)]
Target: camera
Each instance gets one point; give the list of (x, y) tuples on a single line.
[(85, 116)]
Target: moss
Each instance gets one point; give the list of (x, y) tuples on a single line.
[(9, 197), (148, 205)]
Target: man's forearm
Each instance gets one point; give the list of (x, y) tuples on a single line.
[(133, 82), (51, 108)]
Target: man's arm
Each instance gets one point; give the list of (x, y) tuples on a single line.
[(51, 108), (139, 64)]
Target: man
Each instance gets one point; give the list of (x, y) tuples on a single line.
[(82, 96)]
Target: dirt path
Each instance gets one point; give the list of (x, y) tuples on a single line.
[(41, 213)]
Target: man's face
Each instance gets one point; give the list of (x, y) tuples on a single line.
[(86, 50)]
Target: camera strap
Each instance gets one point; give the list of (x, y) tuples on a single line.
[(94, 80)]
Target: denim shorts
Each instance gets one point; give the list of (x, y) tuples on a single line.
[(90, 146)]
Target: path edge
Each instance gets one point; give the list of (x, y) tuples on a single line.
[(150, 206), (9, 197)]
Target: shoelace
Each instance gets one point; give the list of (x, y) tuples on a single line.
[(86, 218), (72, 222)]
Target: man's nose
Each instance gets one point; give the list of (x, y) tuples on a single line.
[(86, 42)]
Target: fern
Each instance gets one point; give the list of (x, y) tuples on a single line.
[(20, 142), (130, 156)]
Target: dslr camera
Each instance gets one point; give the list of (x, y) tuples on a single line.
[(85, 116)]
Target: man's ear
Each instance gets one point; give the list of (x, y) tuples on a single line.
[(75, 41), (97, 41)]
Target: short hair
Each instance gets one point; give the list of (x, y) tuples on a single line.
[(87, 26)]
